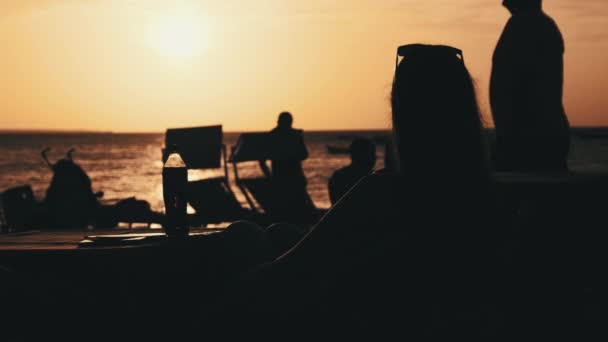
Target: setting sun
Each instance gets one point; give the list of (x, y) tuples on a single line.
[(106, 64), (178, 35)]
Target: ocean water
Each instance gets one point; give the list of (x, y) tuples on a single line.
[(126, 165)]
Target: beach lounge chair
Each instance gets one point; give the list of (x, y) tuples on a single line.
[(212, 198), (261, 193)]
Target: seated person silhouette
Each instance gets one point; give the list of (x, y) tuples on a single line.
[(363, 158), (407, 253), (70, 202), (287, 151), (526, 88)]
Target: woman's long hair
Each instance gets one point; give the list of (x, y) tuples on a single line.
[(436, 122), (442, 157)]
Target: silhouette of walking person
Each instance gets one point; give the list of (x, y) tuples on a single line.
[(526, 88), (363, 158)]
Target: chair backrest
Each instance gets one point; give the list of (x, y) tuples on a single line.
[(18, 207), (200, 147), (251, 147)]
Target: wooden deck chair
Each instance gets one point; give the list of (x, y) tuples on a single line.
[(262, 193), (202, 148)]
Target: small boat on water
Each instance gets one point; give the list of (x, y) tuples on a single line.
[(337, 149), (378, 139)]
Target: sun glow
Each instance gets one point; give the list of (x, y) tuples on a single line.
[(178, 35)]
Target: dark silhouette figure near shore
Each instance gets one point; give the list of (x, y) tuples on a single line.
[(287, 151), (70, 202), (406, 254), (363, 159), (532, 130)]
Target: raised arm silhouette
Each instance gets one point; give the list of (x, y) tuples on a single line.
[(532, 130)]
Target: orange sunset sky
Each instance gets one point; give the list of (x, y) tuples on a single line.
[(146, 65)]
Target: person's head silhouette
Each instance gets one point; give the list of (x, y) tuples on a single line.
[(363, 153), (517, 6), (436, 121), (285, 120)]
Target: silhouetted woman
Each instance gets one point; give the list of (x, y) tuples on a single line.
[(406, 253)]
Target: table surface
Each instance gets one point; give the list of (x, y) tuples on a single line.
[(69, 240)]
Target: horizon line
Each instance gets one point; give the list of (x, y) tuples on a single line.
[(86, 131)]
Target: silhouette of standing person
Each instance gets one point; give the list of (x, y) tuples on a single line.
[(363, 158), (526, 88), (287, 151)]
